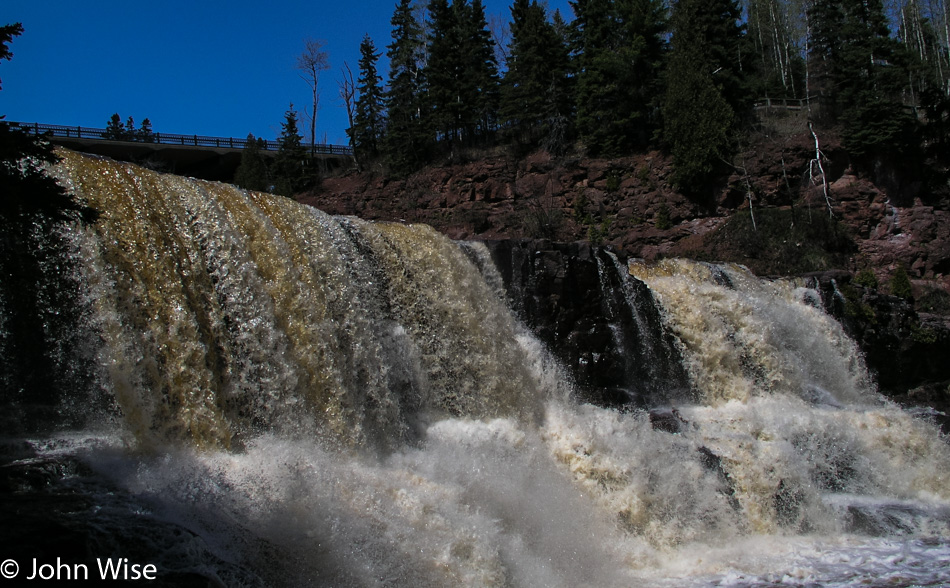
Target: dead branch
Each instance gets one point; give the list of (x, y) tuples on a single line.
[(817, 162)]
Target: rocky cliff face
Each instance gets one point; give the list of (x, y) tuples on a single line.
[(630, 204), (907, 351)]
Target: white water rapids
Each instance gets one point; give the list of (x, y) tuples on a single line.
[(330, 402)]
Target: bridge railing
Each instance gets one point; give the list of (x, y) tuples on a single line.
[(67, 132), (784, 103)]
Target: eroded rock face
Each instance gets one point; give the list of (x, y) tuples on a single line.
[(907, 352), (625, 202), (599, 321), (630, 204)]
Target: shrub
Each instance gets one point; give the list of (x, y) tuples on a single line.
[(934, 300), (662, 219), (781, 243), (900, 283), (866, 279), (613, 182)]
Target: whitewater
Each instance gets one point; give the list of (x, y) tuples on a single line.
[(293, 398)]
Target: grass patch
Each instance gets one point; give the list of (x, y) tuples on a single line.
[(782, 242)]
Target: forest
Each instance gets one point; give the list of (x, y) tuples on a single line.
[(623, 76)]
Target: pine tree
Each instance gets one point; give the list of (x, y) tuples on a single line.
[(405, 141), (860, 73), (461, 72), (707, 91), (251, 174), (444, 71), (619, 44), (535, 89), (128, 133), (115, 130), (289, 165), (644, 49), (368, 120), (698, 122), (144, 133), (482, 71), (603, 116)]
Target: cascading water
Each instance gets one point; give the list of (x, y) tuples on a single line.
[(314, 400)]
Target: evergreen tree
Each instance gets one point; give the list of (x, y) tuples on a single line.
[(289, 165), (144, 133), (251, 174), (115, 130), (405, 140), (368, 121), (619, 44), (698, 122), (445, 70), (461, 72), (603, 82), (535, 90), (482, 71), (860, 73), (129, 133), (707, 90)]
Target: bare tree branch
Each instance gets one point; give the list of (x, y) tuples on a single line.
[(501, 35), (817, 162)]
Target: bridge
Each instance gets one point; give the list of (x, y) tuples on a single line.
[(209, 158)]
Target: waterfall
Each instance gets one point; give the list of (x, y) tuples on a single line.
[(300, 399), (227, 313)]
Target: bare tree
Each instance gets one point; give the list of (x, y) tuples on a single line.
[(777, 28), (501, 35), (347, 87), (311, 62)]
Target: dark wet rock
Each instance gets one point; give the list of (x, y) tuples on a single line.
[(906, 351), (669, 420), (713, 463), (599, 321), (58, 511)]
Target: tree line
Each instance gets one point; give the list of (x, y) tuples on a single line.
[(118, 131), (628, 75)]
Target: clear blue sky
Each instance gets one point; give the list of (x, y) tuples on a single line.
[(206, 67)]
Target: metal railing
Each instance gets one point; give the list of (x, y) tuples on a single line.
[(67, 132)]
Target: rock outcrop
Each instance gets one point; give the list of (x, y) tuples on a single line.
[(631, 205), (906, 351), (602, 324)]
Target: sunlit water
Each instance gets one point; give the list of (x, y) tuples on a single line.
[(326, 401)]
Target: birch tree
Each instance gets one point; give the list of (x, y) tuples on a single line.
[(777, 31), (311, 62)]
